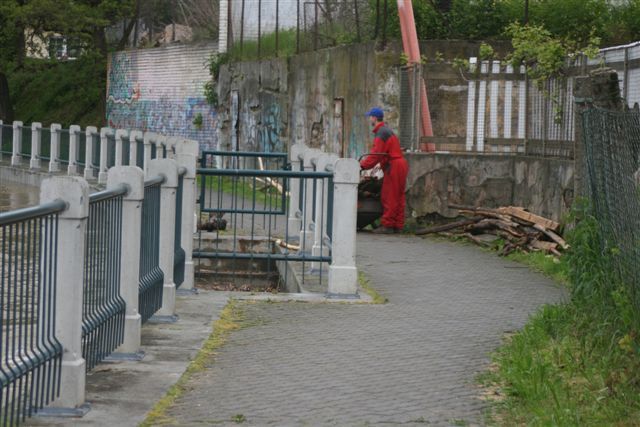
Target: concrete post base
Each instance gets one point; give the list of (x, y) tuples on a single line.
[(343, 280), (168, 300), (72, 384), (132, 330), (189, 275)]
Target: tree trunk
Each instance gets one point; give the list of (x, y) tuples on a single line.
[(100, 41), (6, 109)]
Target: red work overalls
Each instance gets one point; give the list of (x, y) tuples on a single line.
[(386, 151)]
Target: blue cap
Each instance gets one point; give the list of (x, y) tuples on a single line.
[(375, 112)]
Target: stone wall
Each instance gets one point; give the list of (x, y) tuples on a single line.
[(543, 186)]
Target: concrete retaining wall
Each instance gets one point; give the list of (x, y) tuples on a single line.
[(543, 186), (162, 90)]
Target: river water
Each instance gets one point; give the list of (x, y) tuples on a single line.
[(16, 196)]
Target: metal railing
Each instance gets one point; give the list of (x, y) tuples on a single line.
[(248, 213), (123, 239), (103, 307), (30, 354), (179, 255), (89, 152), (151, 276), (244, 160)]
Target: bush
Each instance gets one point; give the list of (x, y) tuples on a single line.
[(70, 92)]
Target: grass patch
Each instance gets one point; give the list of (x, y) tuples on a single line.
[(567, 368), (578, 363), (365, 284), (266, 197), (231, 319), (555, 268)]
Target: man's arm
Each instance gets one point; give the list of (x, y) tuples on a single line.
[(375, 156)]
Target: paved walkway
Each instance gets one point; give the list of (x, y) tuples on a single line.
[(411, 361)]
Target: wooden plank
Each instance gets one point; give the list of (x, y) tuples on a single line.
[(529, 217), (553, 236), (446, 227), (544, 246)]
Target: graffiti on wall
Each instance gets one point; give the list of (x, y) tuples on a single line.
[(170, 108)]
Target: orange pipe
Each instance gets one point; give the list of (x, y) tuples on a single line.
[(412, 50)]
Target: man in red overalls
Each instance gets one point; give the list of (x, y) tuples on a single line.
[(387, 152)]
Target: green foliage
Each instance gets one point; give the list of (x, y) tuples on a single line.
[(211, 93), (215, 62), (577, 363), (534, 47), (197, 121), (573, 21), (286, 46), (486, 52), (68, 92)]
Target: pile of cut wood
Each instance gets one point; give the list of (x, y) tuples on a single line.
[(519, 229)]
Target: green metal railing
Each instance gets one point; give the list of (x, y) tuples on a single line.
[(179, 255), (30, 354), (65, 147), (151, 276), (6, 140), (253, 206), (242, 185), (245, 160), (103, 308)]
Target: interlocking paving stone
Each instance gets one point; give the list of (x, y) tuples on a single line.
[(411, 361)]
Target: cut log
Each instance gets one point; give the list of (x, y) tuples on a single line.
[(543, 246), (553, 236), (529, 217), (447, 227), (494, 223)]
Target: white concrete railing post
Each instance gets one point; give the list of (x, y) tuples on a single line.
[(343, 274), (1, 133), (74, 135), (320, 247), (294, 220), (36, 142), (16, 158), (161, 143), (306, 231), (148, 139), (187, 157), (133, 177), (104, 154), (90, 131), (72, 229), (54, 154), (134, 136), (169, 169), (120, 134)]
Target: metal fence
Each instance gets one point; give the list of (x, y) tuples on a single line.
[(48, 284), (508, 114), (612, 151), (151, 276), (30, 354), (264, 28), (409, 107), (251, 236), (103, 308)]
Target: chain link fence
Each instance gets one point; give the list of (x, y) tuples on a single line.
[(612, 151), (409, 107)]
